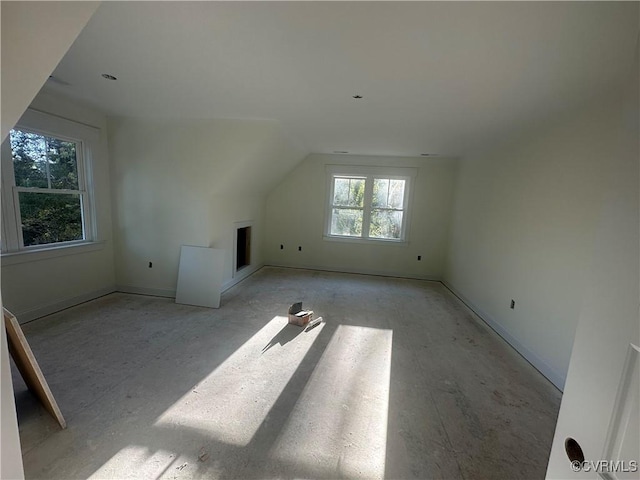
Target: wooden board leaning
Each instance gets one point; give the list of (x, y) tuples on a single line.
[(28, 366)]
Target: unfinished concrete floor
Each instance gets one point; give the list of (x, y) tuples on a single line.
[(400, 382)]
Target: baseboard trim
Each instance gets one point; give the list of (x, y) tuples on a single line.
[(171, 293), (38, 312), (152, 292), (535, 360), (240, 276), (357, 271)]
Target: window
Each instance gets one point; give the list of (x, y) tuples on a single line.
[(46, 202), (370, 204), (347, 213)]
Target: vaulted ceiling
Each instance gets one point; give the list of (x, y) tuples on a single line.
[(434, 77)]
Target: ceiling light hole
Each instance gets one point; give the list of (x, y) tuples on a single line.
[(357, 97), (109, 77)]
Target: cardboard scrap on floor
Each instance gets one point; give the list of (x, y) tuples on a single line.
[(313, 324), (298, 316), (28, 366)]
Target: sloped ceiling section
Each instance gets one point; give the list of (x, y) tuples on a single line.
[(434, 77), (186, 182), (239, 157), (35, 36)]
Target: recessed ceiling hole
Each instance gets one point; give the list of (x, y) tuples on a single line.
[(574, 452), (357, 97), (108, 77)]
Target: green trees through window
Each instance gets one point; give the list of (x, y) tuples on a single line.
[(49, 198), (387, 208), (348, 205), (368, 207)]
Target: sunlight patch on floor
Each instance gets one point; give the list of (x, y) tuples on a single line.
[(231, 403), (339, 423), (138, 459)]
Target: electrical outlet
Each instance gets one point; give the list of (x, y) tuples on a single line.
[(299, 249), (419, 257), (513, 304)]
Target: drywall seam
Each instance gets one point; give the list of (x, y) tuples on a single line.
[(42, 311), (536, 361), (359, 271)]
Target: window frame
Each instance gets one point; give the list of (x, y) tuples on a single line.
[(369, 174), (84, 136)]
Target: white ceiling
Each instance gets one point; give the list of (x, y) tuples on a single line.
[(435, 77)]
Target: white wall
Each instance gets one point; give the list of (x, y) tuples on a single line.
[(609, 319), (523, 228), (34, 38), (187, 182), (37, 287), (296, 216)]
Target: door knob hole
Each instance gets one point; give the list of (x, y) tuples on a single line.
[(574, 452)]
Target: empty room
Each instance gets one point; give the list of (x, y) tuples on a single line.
[(264, 240)]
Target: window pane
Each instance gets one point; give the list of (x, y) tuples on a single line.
[(385, 224), (396, 194), (29, 159), (348, 192), (341, 191), (50, 218), (380, 192), (347, 222), (62, 164), (356, 192)]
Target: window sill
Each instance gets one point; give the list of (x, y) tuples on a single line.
[(367, 241), (45, 253)]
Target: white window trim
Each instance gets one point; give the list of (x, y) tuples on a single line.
[(54, 251), (370, 172), (86, 137)]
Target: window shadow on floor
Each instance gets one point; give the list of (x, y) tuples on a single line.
[(284, 336)]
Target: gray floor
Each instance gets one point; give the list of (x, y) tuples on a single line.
[(401, 381)]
